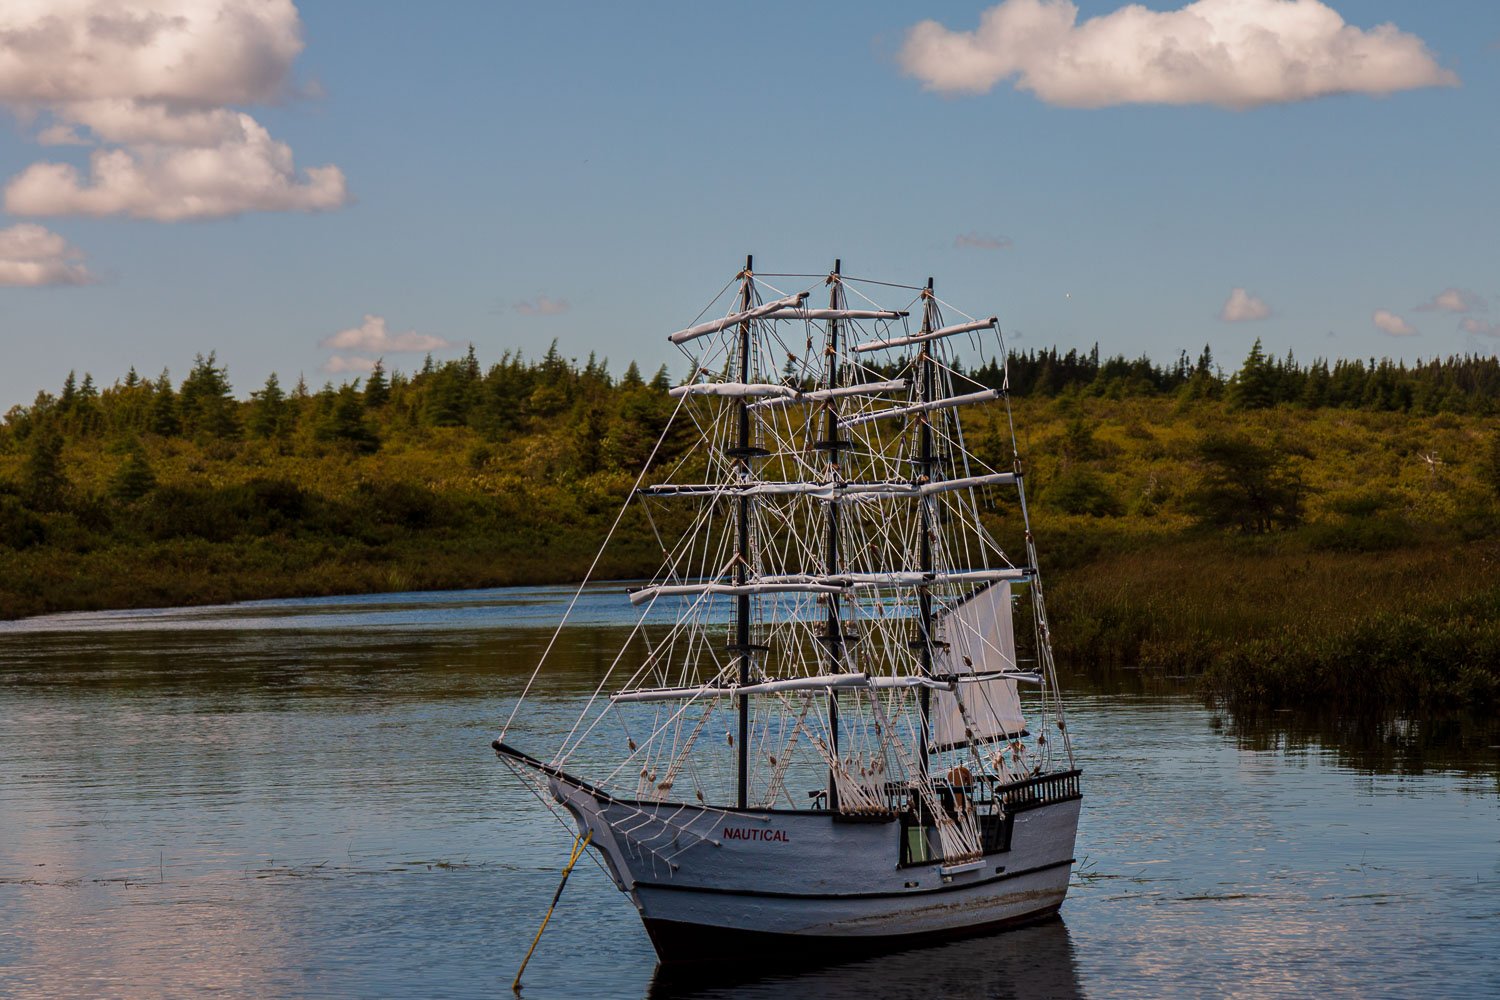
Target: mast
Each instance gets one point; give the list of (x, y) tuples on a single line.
[(742, 552), (833, 636), (924, 476)]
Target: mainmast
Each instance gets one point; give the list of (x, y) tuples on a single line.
[(924, 476), (834, 635), (742, 456)]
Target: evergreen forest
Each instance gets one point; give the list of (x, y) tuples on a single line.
[(1286, 533)]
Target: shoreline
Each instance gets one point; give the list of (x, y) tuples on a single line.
[(1257, 623)]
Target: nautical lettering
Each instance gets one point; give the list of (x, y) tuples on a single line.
[(754, 833)]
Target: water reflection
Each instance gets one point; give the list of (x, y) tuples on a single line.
[(1031, 963), (297, 798), (1391, 744)]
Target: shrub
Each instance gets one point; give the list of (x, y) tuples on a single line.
[(1080, 491)]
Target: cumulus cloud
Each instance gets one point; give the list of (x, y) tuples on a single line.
[(32, 255), (1243, 307), (1232, 53), (1454, 300), (543, 306), (1392, 324), (150, 85), (1479, 327), (980, 241), (373, 337), (338, 365)]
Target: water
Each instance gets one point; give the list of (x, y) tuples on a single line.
[(297, 799)]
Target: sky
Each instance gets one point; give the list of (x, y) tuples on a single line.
[(302, 189)]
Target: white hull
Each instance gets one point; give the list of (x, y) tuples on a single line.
[(704, 880)]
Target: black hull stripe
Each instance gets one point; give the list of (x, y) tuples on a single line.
[(682, 944), (889, 894)]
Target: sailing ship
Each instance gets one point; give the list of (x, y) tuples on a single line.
[(825, 732)]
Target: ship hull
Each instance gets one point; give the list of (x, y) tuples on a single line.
[(827, 928), (708, 881)]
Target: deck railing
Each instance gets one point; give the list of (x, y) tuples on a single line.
[(1044, 788), (986, 790)]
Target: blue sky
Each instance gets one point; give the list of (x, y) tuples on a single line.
[(624, 164)]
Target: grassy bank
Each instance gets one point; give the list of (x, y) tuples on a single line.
[(1280, 623)]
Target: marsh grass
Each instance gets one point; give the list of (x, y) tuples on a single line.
[(1279, 622)]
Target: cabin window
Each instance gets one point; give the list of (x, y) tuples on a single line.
[(994, 832), (917, 841)]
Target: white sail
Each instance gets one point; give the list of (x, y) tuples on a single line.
[(732, 389), (733, 319), (816, 682), (821, 682), (826, 491), (918, 338), (894, 578), (815, 583), (645, 594), (824, 395), (981, 638), (916, 408), (825, 314)]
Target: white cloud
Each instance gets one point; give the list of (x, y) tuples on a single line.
[(185, 52), (981, 241), (149, 85), (1454, 300), (543, 306), (1232, 53), (373, 337), (1479, 327), (338, 365), (32, 255), (168, 183), (1242, 307), (1392, 324)]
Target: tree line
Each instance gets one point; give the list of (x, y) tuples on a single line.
[(514, 394)]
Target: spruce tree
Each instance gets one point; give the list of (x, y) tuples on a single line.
[(1251, 388), (69, 393), (134, 479), (164, 419), (268, 412), (44, 482), (377, 389), (207, 404), (345, 421)]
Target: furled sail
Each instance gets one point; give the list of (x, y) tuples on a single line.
[(826, 491), (824, 395), (918, 338), (825, 314), (733, 319), (981, 639), (732, 389), (907, 411)]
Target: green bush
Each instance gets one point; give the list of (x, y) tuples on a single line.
[(1081, 491)]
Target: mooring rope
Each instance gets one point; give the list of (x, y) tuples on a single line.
[(580, 844)]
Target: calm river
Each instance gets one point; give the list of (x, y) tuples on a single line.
[(298, 799)]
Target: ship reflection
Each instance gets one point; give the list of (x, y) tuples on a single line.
[(1033, 962)]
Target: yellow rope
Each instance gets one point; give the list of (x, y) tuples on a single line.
[(579, 844)]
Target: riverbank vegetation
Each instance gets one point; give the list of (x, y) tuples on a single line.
[(1287, 534)]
